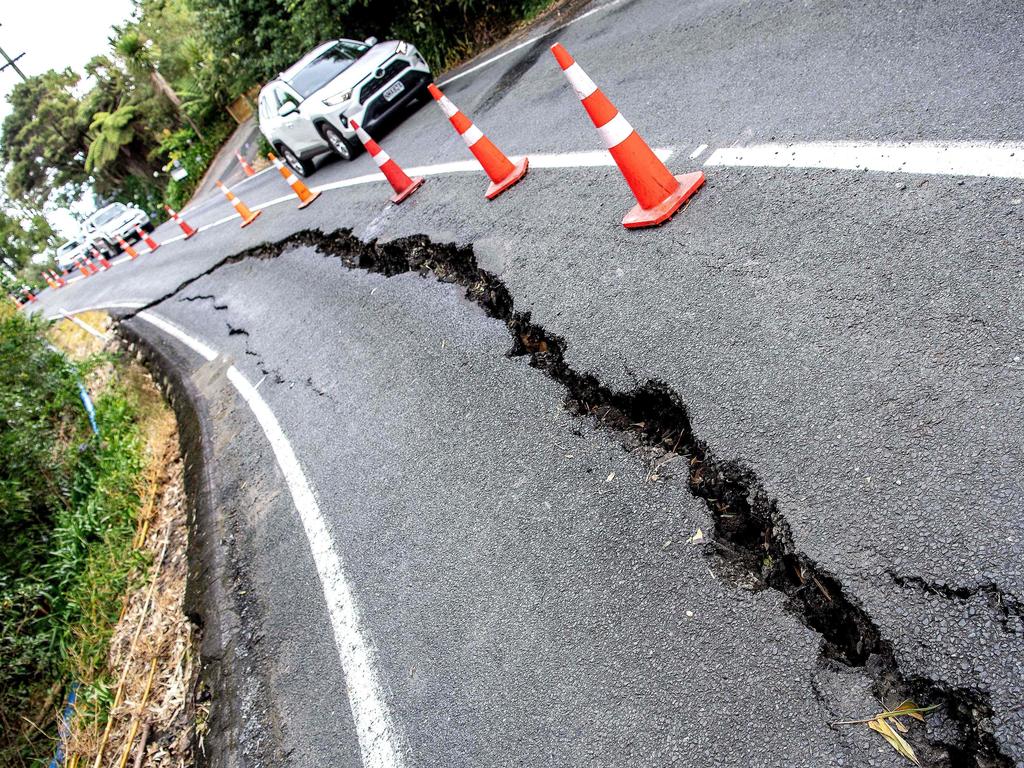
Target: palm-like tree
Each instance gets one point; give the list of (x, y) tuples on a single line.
[(137, 56)]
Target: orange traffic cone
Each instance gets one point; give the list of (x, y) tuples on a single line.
[(61, 282), (28, 294), (399, 180), (181, 223), (245, 166), (132, 253), (102, 259), (659, 194), (17, 302), (84, 267), (301, 190), (248, 217), (49, 280), (502, 171), (147, 239)]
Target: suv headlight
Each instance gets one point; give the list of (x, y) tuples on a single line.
[(403, 48), (338, 98)]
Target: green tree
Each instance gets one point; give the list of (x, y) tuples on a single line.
[(137, 55), (43, 143)]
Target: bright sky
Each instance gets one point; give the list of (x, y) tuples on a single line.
[(54, 34)]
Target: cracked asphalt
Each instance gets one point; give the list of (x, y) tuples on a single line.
[(854, 338)]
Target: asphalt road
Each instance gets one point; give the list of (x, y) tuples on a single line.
[(853, 338)]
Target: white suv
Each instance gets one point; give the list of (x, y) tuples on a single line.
[(109, 224), (305, 111)]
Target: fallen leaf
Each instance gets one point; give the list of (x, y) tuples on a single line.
[(911, 709), (881, 725)]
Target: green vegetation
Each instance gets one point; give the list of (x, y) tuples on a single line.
[(160, 92), (68, 503)]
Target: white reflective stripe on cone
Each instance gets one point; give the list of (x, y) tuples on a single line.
[(580, 81), (472, 135), (615, 131), (363, 135), (447, 107), (290, 178), (381, 157)]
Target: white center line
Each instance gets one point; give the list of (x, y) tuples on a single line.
[(950, 158), (378, 739)]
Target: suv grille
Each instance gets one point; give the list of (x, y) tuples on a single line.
[(377, 83)]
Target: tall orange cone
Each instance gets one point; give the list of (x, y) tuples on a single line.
[(101, 259), (245, 166), (147, 239), (17, 302), (502, 171), (659, 194), (248, 217), (399, 179), (132, 253), (49, 280), (61, 282), (83, 267), (301, 190), (181, 223)]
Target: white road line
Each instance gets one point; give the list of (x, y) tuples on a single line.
[(116, 305), (214, 196), (525, 43), (378, 739), (951, 158), (698, 151)]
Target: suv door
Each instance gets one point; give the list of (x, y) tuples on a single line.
[(295, 129)]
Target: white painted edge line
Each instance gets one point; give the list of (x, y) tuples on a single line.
[(378, 739), (116, 305), (949, 158), (525, 43)]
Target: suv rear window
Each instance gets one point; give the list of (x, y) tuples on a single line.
[(327, 66)]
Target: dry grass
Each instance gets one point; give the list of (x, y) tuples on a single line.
[(153, 626)]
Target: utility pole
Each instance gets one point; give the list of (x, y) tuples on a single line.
[(12, 63)]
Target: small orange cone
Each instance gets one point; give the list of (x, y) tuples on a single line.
[(181, 223), (248, 217), (49, 281), (245, 166), (102, 259), (84, 267), (147, 239), (659, 194), (61, 282), (399, 179), (132, 253), (502, 171), (28, 294), (301, 190), (17, 302)]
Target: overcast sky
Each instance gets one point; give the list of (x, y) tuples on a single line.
[(54, 34)]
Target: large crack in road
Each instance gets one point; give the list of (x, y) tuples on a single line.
[(752, 545)]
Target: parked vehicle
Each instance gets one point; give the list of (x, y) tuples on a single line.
[(306, 111), (69, 253), (105, 227)]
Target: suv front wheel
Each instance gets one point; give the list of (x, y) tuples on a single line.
[(341, 146), (297, 164)]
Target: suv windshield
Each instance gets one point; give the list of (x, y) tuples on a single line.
[(108, 214), (327, 66), (67, 247)]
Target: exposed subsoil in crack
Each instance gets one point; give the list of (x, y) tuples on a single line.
[(751, 536)]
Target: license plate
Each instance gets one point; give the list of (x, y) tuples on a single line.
[(394, 90)]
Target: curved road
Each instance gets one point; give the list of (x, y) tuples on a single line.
[(744, 474)]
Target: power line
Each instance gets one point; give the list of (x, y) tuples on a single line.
[(12, 63)]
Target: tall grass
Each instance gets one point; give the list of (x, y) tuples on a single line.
[(68, 502)]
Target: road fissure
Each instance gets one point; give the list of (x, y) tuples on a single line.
[(752, 544)]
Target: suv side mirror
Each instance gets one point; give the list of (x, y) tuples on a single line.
[(371, 41), (286, 109)]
